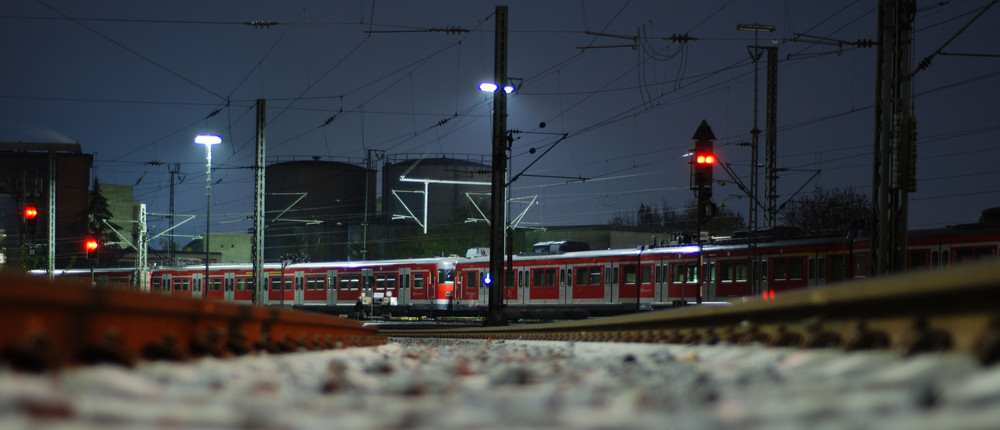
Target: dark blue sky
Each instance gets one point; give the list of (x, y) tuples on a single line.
[(135, 81)]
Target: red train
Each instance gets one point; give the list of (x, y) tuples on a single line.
[(568, 283)]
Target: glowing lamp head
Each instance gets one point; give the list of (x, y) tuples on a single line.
[(30, 213), (91, 245), (488, 87), (207, 139), (508, 88), (705, 159)]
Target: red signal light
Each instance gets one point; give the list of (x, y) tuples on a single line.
[(30, 213), (91, 245), (705, 159)]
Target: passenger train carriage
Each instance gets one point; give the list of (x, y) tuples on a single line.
[(575, 283)]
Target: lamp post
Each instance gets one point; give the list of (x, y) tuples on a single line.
[(208, 140)]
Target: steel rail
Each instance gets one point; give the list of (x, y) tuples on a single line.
[(954, 309), (45, 325)]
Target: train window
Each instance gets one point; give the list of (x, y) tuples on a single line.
[(725, 271), (562, 276), (838, 269), (614, 279), (741, 271), (446, 275), (588, 275), (275, 283), (678, 273), (647, 274), (779, 269), (860, 269), (509, 278), (543, 278), (796, 269), (315, 282), (390, 283), (628, 274), (216, 284), (685, 273), (595, 276), (965, 255)]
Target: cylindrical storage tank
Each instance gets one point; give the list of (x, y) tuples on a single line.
[(448, 182), (309, 206)]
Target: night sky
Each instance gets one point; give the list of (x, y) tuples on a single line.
[(134, 81)]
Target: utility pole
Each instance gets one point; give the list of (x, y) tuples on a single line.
[(257, 246), (771, 139), (895, 143), (754, 154), (174, 171), (142, 251), (498, 222), (51, 268), (368, 179)]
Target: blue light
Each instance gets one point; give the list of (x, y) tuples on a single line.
[(487, 279)]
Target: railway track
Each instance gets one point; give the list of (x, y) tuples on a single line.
[(957, 309), (48, 325)]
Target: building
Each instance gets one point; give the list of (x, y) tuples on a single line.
[(25, 172)]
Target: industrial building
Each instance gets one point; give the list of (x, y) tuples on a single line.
[(29, 175)]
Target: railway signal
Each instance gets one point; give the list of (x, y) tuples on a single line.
[(90, 245), (703, 162), (30, 213)]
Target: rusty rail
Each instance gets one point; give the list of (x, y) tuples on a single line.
[(45, 325), (955, 309)]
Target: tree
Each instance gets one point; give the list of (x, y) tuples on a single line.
[(825, 212), (97, 213)]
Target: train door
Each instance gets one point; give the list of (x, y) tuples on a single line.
[(228, 289), (420, 286), (298, 288), (565, 281), (405, 288), (196, 284), (331, 287), (708, 286), (368, 283), (166, 284), (469, 291), (611, 282), (511, 286)]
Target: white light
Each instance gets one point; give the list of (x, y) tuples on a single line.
[(487, 87), (508, 88), (207, 139)]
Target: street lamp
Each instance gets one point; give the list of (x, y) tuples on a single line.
[(208, 140)]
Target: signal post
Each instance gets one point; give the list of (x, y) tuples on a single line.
[(702, 163)]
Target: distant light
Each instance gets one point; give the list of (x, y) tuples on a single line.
[(30, 212), (508, 88), (487, 87), (207, 139)]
